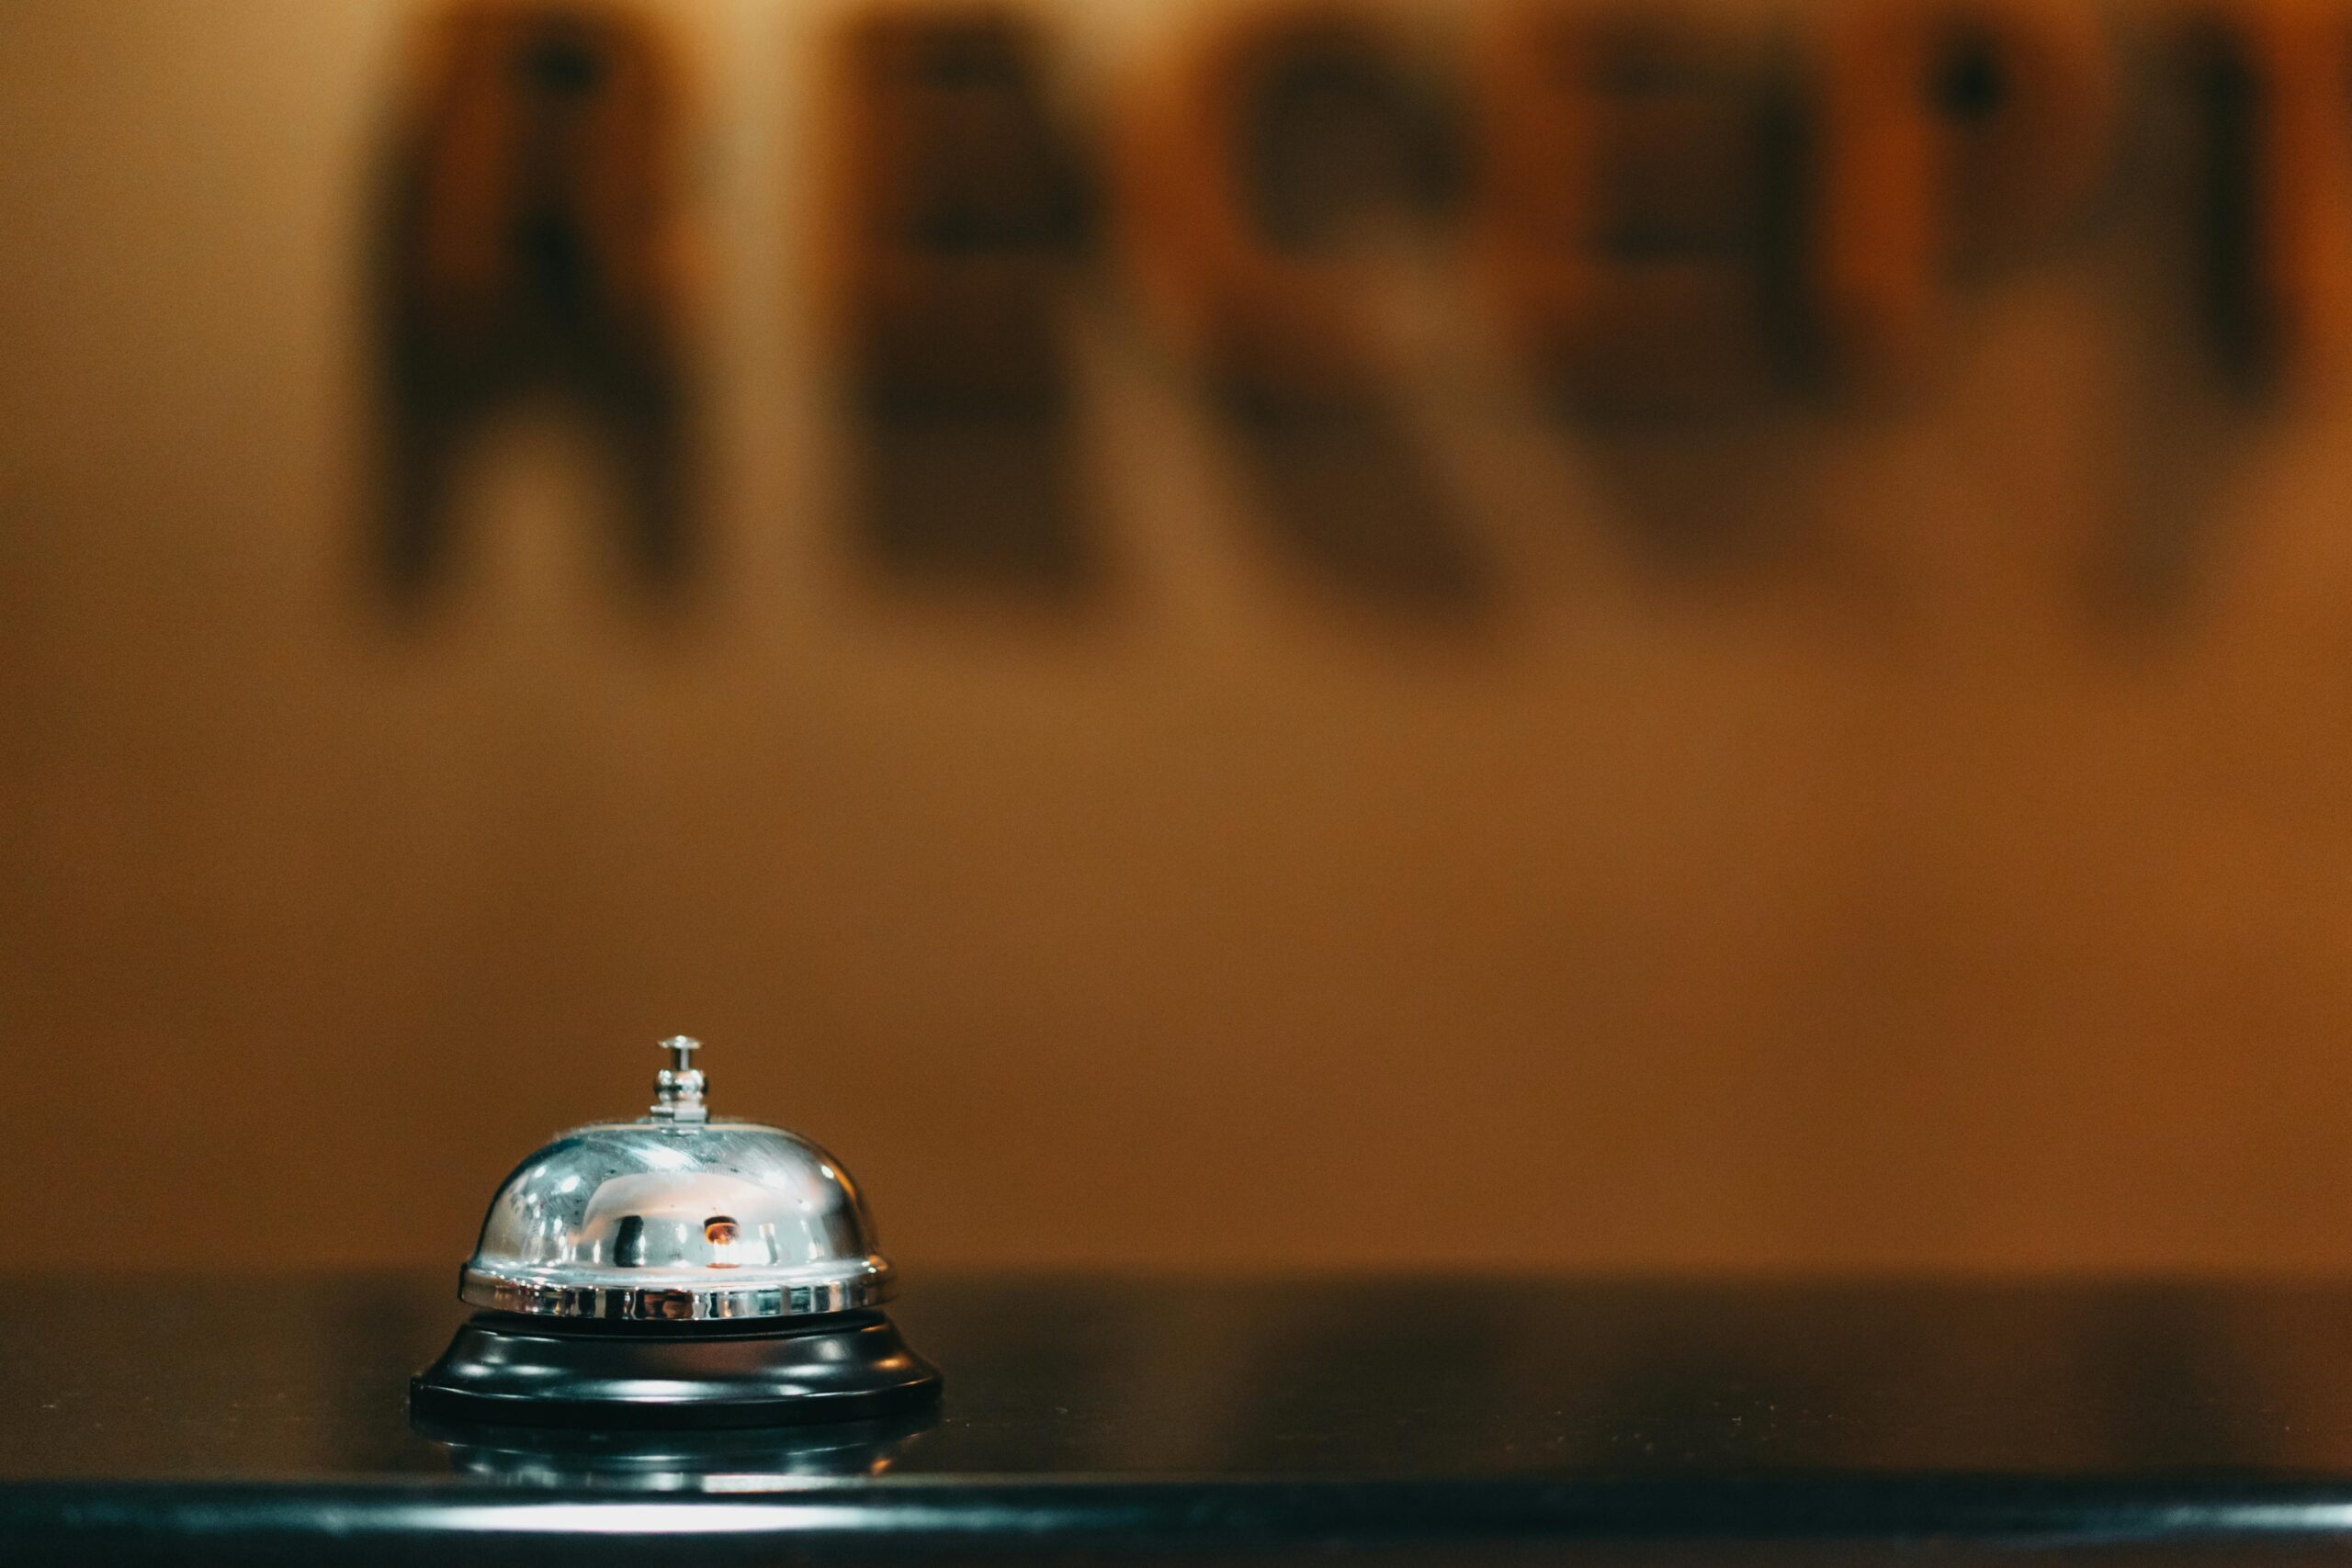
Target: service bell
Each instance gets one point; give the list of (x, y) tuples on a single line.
[(676, 1270)]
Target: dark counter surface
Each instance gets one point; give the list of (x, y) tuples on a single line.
[(1094, 1416)]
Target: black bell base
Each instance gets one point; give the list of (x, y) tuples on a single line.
[(504, 1369)]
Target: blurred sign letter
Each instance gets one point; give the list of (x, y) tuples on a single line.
[(1624, 229), (537, 236), (1948, 131)]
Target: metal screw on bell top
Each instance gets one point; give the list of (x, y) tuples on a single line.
[(677, 1088)]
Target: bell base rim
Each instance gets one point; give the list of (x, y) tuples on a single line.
[(745, 1298)]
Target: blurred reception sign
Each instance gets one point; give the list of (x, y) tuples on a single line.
[(1657, 212)]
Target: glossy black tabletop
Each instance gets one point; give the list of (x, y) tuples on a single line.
[(1091, 1417)]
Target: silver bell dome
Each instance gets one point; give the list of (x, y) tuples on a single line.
[(675, 1216)]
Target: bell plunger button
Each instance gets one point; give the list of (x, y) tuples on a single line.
[(676, 1270), (677, 1088)]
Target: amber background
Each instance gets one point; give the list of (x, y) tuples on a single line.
[(1908, 834)]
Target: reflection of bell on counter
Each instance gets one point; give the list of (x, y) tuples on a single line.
[(675, 1271), (731, 1461)]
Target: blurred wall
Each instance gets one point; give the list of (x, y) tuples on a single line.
[(1907, 832)]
